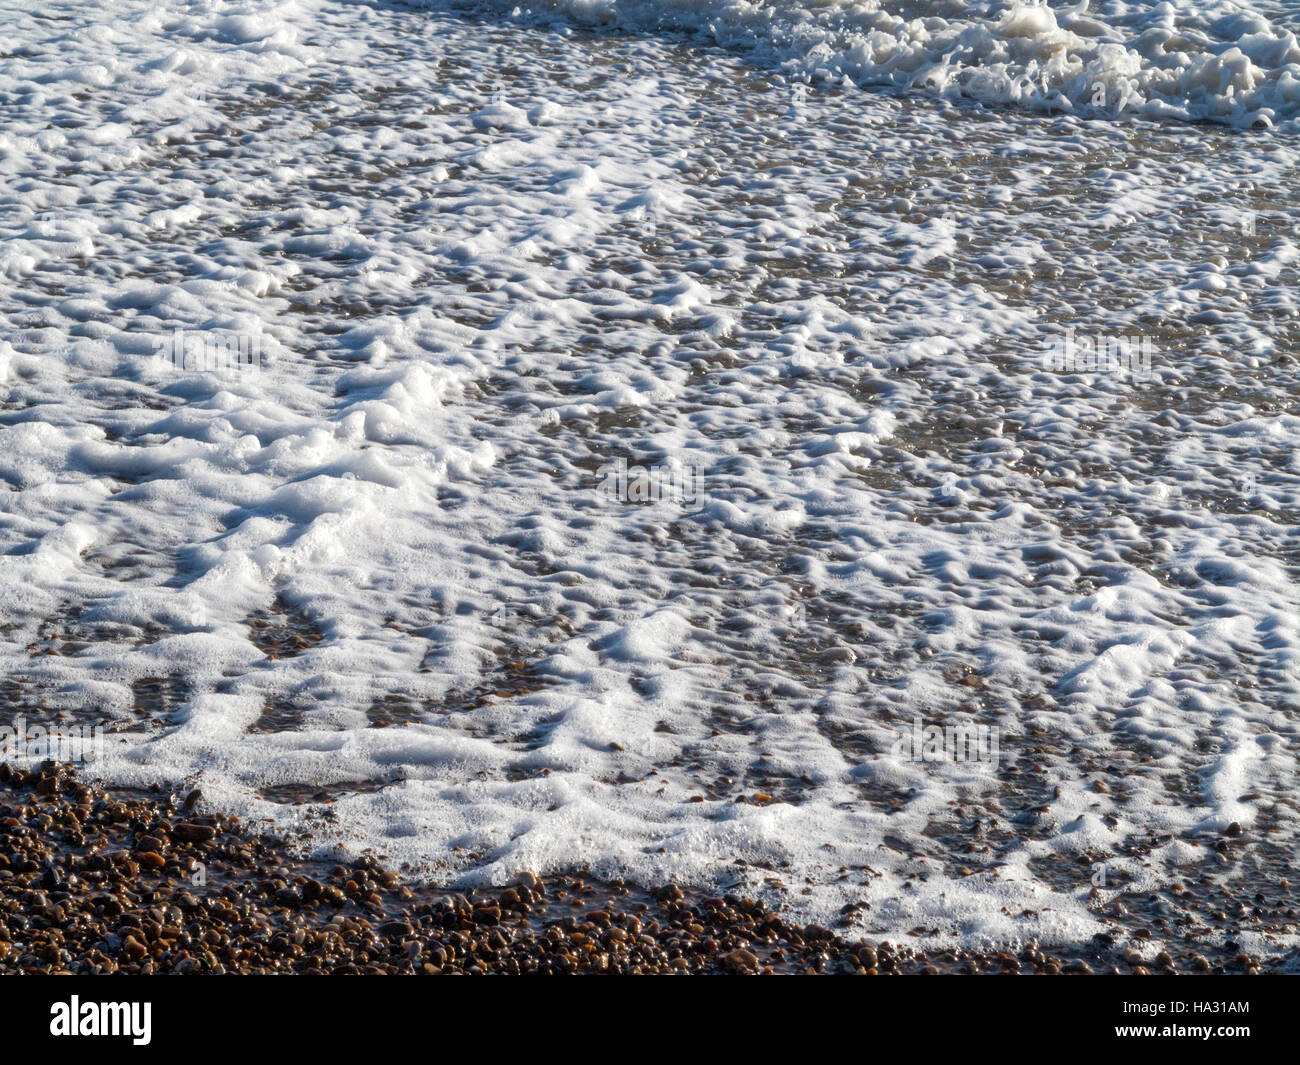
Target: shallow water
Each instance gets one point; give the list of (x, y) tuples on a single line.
[(489, 256)]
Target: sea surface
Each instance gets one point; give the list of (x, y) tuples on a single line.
[(608, 434)]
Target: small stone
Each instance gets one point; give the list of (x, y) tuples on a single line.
[(188, 832), (739, 961)]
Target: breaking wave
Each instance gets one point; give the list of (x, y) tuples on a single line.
[(1217, 61)]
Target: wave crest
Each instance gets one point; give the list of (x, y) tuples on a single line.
[(1210, 61)]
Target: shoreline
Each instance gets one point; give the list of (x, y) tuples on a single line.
[(97, 881)]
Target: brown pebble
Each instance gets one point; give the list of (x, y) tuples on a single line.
[(740, 961)]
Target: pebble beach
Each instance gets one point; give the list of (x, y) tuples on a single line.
[(95, 883)]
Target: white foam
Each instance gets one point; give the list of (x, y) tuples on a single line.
[(1223, 62), (485, 258)]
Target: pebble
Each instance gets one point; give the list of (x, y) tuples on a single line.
[(740, 961), (121, 900), (188, 832)]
